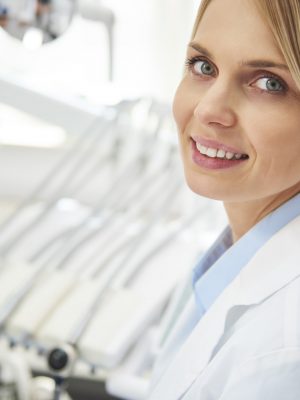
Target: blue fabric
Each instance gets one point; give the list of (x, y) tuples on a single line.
[(224, 260)]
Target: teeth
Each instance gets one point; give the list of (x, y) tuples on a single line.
[(229, 155), (221, 153), (211, 153), (218, 153), (202, 149)]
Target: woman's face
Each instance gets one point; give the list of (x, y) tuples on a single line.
[(238, 109)]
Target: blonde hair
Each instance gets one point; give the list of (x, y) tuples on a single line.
[(283, 18)]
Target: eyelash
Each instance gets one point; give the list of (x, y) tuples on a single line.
[(190, 62)]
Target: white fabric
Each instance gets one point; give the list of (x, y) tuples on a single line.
[(247, 346)]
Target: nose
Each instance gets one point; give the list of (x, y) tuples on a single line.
[(216, 106)]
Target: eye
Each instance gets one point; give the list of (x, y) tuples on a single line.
[(200, 66), (270, 84)]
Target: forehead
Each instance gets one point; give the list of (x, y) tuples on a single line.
[(237, 25)]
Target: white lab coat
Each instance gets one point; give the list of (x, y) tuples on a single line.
[(247, 346)]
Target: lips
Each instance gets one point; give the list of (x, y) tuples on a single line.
[(210, 158), (219, 153), (213, 148)]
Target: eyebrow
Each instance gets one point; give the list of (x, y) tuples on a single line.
[(200, 49), (264, 64), (246, 63)]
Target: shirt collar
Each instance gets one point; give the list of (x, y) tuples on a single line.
[(224, 260)]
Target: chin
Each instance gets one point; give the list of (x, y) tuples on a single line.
[(205, 189), (204, 184)]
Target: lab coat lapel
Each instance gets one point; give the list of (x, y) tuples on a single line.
[(271, 268), (185, 367)]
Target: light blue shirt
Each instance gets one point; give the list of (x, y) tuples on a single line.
[(224, 260)]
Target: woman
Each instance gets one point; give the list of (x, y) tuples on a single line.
[(238, 115)]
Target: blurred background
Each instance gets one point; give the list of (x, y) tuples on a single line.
[(98, 230)]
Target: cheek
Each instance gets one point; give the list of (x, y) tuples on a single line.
[(275, 135), (276, 144)]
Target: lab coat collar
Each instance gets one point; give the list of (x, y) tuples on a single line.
[(272, 267)]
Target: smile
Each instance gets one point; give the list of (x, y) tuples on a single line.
[(219, 153), (214, 158)]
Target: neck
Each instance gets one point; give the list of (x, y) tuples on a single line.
[(243, 216)]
